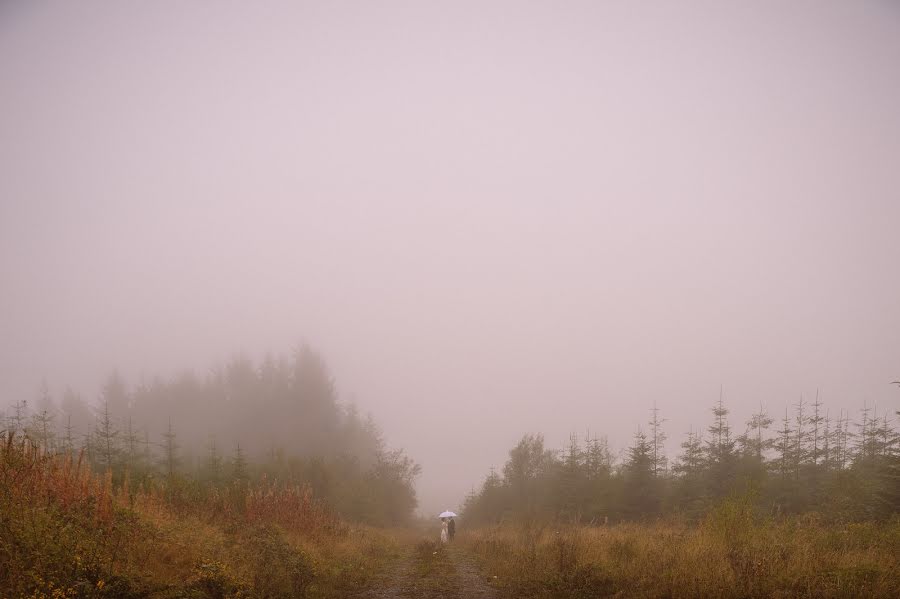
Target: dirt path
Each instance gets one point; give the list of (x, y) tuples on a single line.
[(430, 571)]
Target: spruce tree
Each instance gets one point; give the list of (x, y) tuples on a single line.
[(689, 469), (598, 462), (658, 439), (571, 477), (758, 424), (642, 489), (213, 463), (19, 418), (133, 456), (41, 430), (171, 458), (69, 435), (816, 421), (801, 438), (239, 472), (784, 448), (720, 454), (106, 439)]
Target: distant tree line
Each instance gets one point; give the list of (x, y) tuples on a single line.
[(807, 461), (279, 420)]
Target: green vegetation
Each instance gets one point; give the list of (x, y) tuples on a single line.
[(279, 422), (137, 498), (811, 512), (100, 510), (730, 553), (67, 532), (813, 465)]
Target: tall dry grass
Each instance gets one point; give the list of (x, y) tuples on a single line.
[(731, 554), (68, 532)]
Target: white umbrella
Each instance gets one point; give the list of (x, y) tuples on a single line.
[(448, 515)]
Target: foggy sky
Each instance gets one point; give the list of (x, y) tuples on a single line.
[(491, 218)]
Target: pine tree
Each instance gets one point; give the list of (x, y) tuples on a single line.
[(814, 481), (642, 488), (784, 448), (213, 462), (816, 420), (41, 430), (883, 434), (528, 464), (755, 442), (658, 438), (889, 474), (133, 457), (801, 452), (79, 416), (864, 451), (106, 439), (598, 459), (171, 457), (19, 418), (488, 505), (689, 469), (720, 454), (690, 461), (147, 454), (721, 446), (598, 462), (570, 481), (69, 438), (88, 446), (827, 451), (840, 441), (239, 471)]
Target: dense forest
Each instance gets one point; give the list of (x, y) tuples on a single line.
[(806, 461), (278, 421)]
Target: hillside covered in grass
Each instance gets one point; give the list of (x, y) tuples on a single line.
[(251, 482), (66, 531)]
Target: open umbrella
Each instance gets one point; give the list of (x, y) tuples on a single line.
[(448, 515)]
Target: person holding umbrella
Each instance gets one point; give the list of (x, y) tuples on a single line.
[(445, 538), (448, 526)]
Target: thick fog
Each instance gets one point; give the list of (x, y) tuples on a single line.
[(490, 218)]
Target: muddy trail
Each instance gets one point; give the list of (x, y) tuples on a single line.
[(432, 571)]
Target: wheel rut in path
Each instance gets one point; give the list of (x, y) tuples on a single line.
[(431, 571)]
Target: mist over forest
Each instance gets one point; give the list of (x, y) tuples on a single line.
[(614, 283), (278, 419), (485, 235)]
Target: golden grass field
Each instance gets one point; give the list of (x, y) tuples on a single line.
[(66, 532), (728, 555)]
